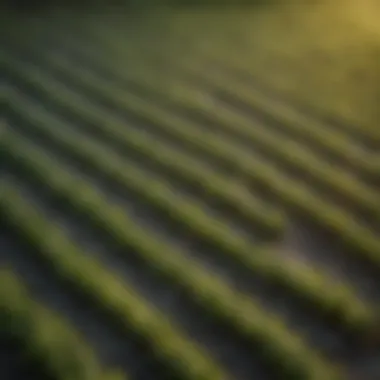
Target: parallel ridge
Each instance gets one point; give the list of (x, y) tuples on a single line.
[(369, 135), (238, 70), (192, 74), (341, 184), (217, 76), (47, 336), (295, 194), (89, 110), (249, 319), (110, 293), (235, 71), (192, 171), (336, 301)]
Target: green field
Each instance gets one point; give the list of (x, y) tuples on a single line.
[(190, 195)]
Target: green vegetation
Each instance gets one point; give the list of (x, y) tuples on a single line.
[(343, 184), (281, 347), (323, 54), (260, 172), (48, 338), (309, 284), (206, 152), (88, 275)]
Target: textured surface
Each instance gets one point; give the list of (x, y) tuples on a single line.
[(185, 223)]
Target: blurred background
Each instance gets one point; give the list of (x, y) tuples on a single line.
[(219, 131), (324, 53)]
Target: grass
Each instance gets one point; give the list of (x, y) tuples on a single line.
[(325, 55), (46, 336), (199, 186)]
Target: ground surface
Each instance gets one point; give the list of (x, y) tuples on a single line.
[(203, 162)]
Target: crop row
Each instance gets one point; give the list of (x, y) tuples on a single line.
[(190, 170), (169, 343), (280, 347), (334, 180), (324, 137), (334, 300), (284, 111), (215, 57), (295, 194), (158, 193), (47, 337)]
